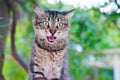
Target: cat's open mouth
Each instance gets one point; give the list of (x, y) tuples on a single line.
[(51, 38)]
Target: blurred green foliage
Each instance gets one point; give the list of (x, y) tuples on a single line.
[(90, 29)]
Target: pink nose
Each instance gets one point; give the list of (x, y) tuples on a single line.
[(52, 32)]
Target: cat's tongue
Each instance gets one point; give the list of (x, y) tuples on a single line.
[(51, 38)]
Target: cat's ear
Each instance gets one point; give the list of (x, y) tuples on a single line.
[(38, 11), (69, 13)]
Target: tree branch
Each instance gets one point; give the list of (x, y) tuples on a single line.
[(14, 52)]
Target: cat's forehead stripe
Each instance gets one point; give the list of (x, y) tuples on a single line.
[(53, 14)]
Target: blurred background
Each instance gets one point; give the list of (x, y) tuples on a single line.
[(94, 37)]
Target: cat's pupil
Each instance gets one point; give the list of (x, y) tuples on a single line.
[(45, 23)]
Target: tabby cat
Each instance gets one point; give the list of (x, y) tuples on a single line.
[(48, 59)]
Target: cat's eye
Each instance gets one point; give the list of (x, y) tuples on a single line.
[(45, 23), (59, 24)]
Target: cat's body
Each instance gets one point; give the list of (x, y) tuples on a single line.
[(50, 63), (50, 45)]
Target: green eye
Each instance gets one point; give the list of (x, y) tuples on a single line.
[(45, 23), (59, 24)]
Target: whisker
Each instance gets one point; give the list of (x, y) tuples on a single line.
[(70, 46)]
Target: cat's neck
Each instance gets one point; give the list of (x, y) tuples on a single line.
[(51, 47)]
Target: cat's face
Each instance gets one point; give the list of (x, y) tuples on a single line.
[(51, 25)]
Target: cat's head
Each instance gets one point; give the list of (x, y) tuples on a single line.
[(51, 25)]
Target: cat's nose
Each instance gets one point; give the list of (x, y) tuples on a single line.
[(52, 32)]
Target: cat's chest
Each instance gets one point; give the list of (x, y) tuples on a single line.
[(51, 62), (52, 58)]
